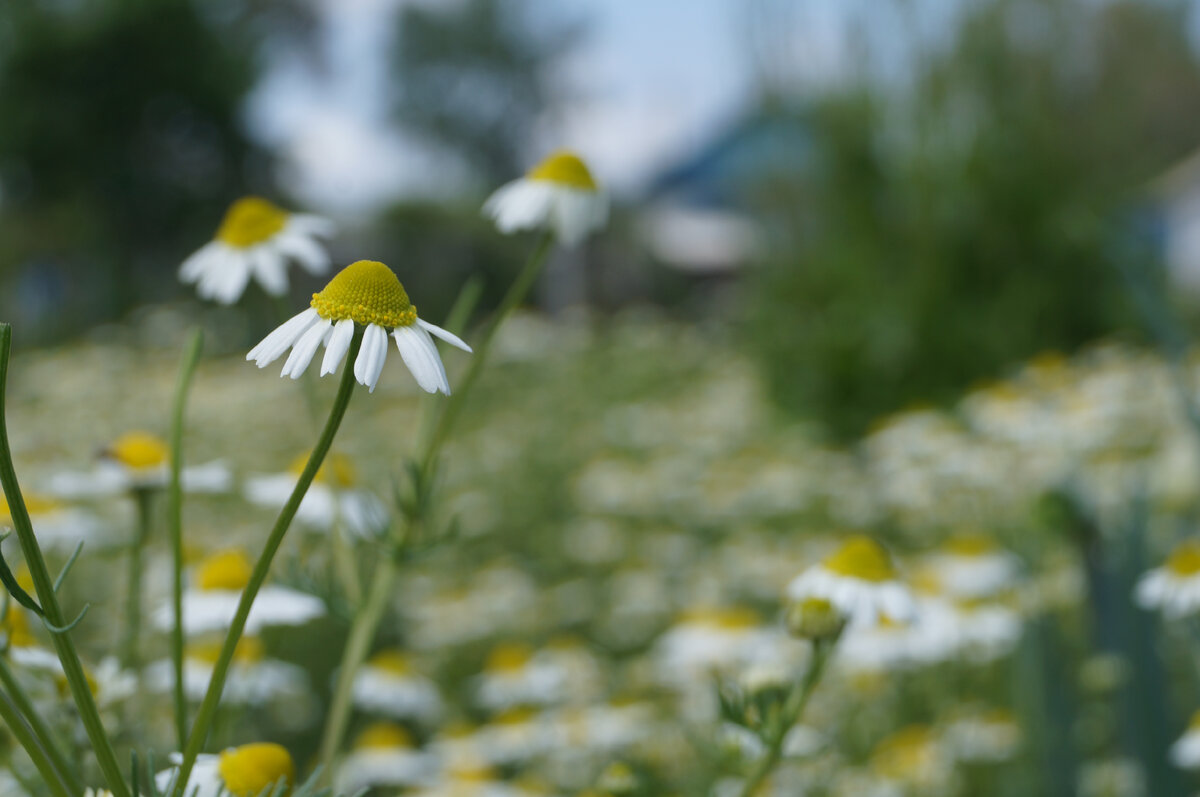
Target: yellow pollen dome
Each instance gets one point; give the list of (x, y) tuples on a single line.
[(393, 662), (863, 558), (508, 657), (250, 221), (138, 450), (566, 168), (250, 769), (383, 736), (971, 544), (1185, 559), (337, 470), (367, 292), (229, 569)]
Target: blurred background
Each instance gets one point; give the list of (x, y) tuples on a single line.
[(912, 267)]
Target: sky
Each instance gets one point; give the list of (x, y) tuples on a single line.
[(654, 79)]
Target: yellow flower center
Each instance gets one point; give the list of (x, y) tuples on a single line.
[(367, 292), (969, 545), (337, 470), (34, 504), (250, 221), (863, 558), (249, 650), (250, 769), (224, 570), (1185, 559), (383, 736), (508, 658), (391, 661), (139, 450), (565, 168)]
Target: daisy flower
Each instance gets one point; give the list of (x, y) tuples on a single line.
[(365, 294), (515, 676), (255, 240), (253, 678), (984, 736), (383, 755), (246, 771), (973, 566), (212, 600), (559, 194), (1174, 587), (1185, 753), (335, 499), (138, 460), (388, 684), (57, 526), (859, 579)]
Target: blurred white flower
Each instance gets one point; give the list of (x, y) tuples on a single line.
[(860, 580), (984, 736), (134, 461), (1175, 586), (973, 566), (335, 500), (366, 293), (383, 755), (57, 526), (245, 771), (252, 679), (387, 683), (1185, 752), (255, 241), (559, 194)]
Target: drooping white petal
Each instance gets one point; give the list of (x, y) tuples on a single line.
[(270, 269), (282, 338), (226, 279), (306, 347), (421, 357), (197, 263), (311, 256), (438, 332), (339, 343), (520, 205), (311, 224), (371, 356)]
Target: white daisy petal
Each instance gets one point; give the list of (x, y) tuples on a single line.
[(281, 339), (270, 269), (421, 357), (449, 337), (306, 347), (371, 356), (305, 251), (338, 345)]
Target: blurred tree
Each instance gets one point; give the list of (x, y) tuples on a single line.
[(967, 221), (473, 78), (119, 147)]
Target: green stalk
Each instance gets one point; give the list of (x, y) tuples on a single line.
[(43, 584), (358, 645), (793, 709), (208, 707), (131, 658), (28, 740), (37, 725), (187, 368)]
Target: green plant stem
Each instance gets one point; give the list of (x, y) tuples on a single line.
[(41, 731), (131, 658), (15, 724), (358, 645), (515, 295), (187, 368), (43, 584), (208, 707), (793, 709)]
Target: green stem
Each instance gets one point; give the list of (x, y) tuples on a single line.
[(41, 731), (208, 707), (144, 498), (358, 645), (187, 368), (515, 295), (793, 709), (28, 740), (43, 584)]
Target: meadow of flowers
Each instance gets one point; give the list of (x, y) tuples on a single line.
[(601, 565)]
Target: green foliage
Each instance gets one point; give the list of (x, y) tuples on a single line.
[(951, 229)]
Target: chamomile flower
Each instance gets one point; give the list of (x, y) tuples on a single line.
[(1175, 586), (336, 499), (1185, 753), (245, 771), (138, 460), (515, 676), (57, 525), (389, 684), (217, 584), (558, 194), (984, 736), (973, 566), (383, 755), (364, 294), (253, 679), (860, 580), (255, 241)]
